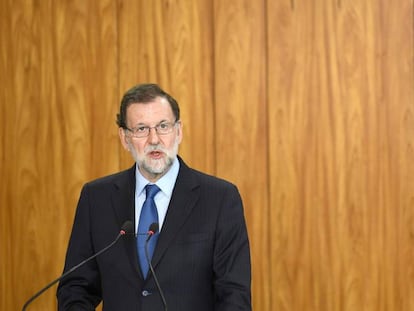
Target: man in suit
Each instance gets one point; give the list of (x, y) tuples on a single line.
[(200, 256)]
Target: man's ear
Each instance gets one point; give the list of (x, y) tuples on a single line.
[(123, 138), (180, 131)]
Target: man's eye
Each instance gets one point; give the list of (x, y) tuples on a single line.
[(163, 126), (141, 129)]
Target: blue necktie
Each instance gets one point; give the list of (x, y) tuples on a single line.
[(148, 216)]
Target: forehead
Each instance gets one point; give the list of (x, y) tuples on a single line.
[(150, 113)]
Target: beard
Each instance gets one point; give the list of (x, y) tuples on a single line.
[(155, 167)]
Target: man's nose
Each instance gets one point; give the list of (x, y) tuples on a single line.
[(153, 136)]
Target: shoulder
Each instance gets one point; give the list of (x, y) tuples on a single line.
[(203, 179), (119, 178), (210, 179)]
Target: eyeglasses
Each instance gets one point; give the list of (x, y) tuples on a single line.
[(163, 128)]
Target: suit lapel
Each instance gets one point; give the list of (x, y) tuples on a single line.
[(184, 197), (123, 201)]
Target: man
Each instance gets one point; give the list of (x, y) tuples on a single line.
[(200, 255)]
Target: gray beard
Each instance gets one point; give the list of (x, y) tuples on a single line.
[(156, 170), (159, 169)]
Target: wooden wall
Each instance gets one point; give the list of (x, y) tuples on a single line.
[(308, 106)]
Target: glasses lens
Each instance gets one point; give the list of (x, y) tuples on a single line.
[(164, 128), (143, 131)]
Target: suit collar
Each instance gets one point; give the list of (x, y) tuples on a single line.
[(183, 199), (123, 198), (123, 201)]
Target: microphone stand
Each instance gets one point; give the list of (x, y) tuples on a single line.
[(151, 233), (121, 233)]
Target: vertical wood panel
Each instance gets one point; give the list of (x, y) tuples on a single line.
[(292, 139), (397, 68), (59, 61), (337, 171), (170, 43), (241, 123)]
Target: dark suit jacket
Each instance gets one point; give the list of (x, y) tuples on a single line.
[(202, 258)]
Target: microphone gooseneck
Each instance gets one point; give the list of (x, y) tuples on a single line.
[(127, 228), (153, 229)]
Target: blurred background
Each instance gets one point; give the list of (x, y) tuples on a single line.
[(308, 106)]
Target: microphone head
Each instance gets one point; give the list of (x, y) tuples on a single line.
[(153, 228), (127, 228)]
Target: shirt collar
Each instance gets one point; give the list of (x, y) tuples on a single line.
[(165, 183)]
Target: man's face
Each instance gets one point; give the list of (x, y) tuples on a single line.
[(154, 153)]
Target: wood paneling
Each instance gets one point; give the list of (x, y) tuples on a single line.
[(308, 106), (340, 176), (58, 125), (170, 43), (241, 135)]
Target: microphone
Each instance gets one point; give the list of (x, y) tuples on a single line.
[(153, 229), (127, 228)]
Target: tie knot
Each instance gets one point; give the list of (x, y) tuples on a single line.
[(151, 190)]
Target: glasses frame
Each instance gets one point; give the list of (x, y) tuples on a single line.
[(133, 131)]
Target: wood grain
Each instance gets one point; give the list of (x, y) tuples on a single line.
[(241, 123), (337, 172), (60, 63), (171, 44)]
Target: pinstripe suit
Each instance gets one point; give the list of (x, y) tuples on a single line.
[(202, 258)]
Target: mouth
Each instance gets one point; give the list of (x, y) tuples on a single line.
[(156, 154)]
